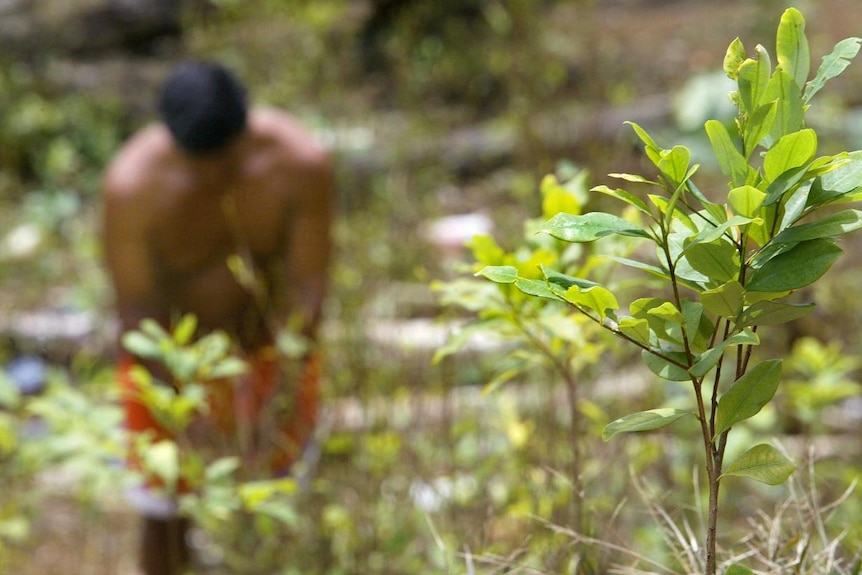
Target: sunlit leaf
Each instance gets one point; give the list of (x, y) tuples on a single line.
[(762, 463), (643, 421), (624, 196), (759, 126), (833, 65), (746, 200), (791, 151), (791, 46), (596, 298), (795, 268), (140, 345), (185, 329), (499, 274), (636, 329), (753, 76), (590, 227), (747, 395), (730, 159), (734, 56), (787, 94), (556, 198), (710, 358)]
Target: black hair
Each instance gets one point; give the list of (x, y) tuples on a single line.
[(203, 106)]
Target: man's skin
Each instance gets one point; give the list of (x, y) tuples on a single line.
[(172, 220)]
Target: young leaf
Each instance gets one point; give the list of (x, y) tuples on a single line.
[(710, 358), (790, 114), (730, 160), (537, 288), (745, 200), (758, 126), (674, 164), (733, 58), (643, 421), (556, 198), (636, 329), (140, 345), (652, 150), (596, 298), (499, 274), (566, 281), (753, 79), (795, 268), (185, 329), (762, 463), (832, 65), (625, 196), (724, 301), (791, 151), (791, 46), (738, 570), (747, 395), (590, 227)]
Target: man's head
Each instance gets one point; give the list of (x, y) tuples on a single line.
[(203, 106)]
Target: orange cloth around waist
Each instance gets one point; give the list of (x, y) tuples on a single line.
[(261, 412)]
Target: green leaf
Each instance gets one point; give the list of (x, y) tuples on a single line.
[(485, 250), (650, 147), (845, 178), (185, 329), (596, 298), (745, 200), (624, 196), (833, 65), (762, 463), (636, 329), (773, 313), (738, 570), (228, 368), (791, 46), (674, 164), (790, 113), (643, 421), (730, 160), (791, 151), (719, 261), (140, 345), (795, 268), (163, 459), (758, 126), (537, 288), (710, 358), (566, 281), (499, 274), (222, 468), (667, 311), (556, 198), (590, 227), (665, 369), (726, 300), (734, 56), (747, 395), (753, 78), (842, 222)]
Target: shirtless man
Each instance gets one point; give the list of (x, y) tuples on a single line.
[(212, 181)]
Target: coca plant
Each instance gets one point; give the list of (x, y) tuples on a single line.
[(728, 260)]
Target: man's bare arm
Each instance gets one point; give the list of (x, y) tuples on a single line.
[(309, 242)]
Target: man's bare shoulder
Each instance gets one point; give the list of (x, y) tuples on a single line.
[(136, 166), (295, 142)]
